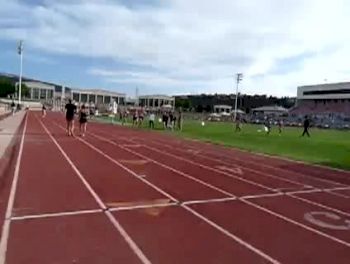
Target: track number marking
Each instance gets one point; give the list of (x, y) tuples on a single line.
[(328, 220)]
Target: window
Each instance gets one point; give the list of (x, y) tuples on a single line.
[(320, 92), (35, 93)]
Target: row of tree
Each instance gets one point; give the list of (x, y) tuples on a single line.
[(8, 88)]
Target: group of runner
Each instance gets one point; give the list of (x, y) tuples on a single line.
[(71, 111)]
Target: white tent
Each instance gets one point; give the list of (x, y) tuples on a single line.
[(239, 111), (167, 106)]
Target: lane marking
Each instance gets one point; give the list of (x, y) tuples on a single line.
[(232, 236), (209, 201), (312, 218), (50, 215), (165, 166), (137, 207), (138, 203), (244, 167), (11, 200), (226, 232), (137, 251), (275, 214), (235, 159), (262, 195), (134, 162), (236, 170), (339, 194), (303, 226), (211, 169), (318, 204)]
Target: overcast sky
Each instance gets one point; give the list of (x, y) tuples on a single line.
[(179, 46)]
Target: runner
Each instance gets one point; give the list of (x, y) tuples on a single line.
[(13, 107), (134, 118), (83, 120), (43, 110), (70, 111), (140, 119)]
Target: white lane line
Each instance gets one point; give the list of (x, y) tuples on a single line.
[(338, 194), (244, 167), (128, 170), (261, 195), (232, 236), (270, 212), (200, 165), (136, 207), (209, 201), (165, 166), (296, 223), (137, 251), (209, 152), (319, 204), (11, 200), (50, 215), (81, 177), (226, 232), (210, 168)]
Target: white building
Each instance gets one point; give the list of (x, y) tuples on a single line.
[(39, 91), (156, 101), (329, 98), (329, 91)]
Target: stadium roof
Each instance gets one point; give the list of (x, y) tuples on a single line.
[(97, 91), (274, 108)]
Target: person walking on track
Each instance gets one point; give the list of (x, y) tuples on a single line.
[(70, 112), (43, 110), (82, 120), (306, 127)]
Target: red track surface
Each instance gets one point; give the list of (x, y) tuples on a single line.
[(126, 196)]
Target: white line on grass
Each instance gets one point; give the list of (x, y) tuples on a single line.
[(11, 200)]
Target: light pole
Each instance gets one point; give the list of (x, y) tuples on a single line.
[(20, 52), (239, 77)]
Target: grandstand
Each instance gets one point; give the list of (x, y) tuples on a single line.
[(332, 98)]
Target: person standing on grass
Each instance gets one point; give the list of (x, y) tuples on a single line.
[(171, 120), (151, 120), (70, 112), (306, 126), (83, 120), (180, 120), (238, 125), (280, 126), (165, 120), (134, 118), (267, 126), (43, 110)]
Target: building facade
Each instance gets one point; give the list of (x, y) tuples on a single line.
[(156, 101)]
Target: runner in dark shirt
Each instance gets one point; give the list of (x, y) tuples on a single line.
[(70, 111)]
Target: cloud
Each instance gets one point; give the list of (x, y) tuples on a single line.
[(193, 45)]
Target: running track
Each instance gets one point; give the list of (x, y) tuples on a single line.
[(127, 196)]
